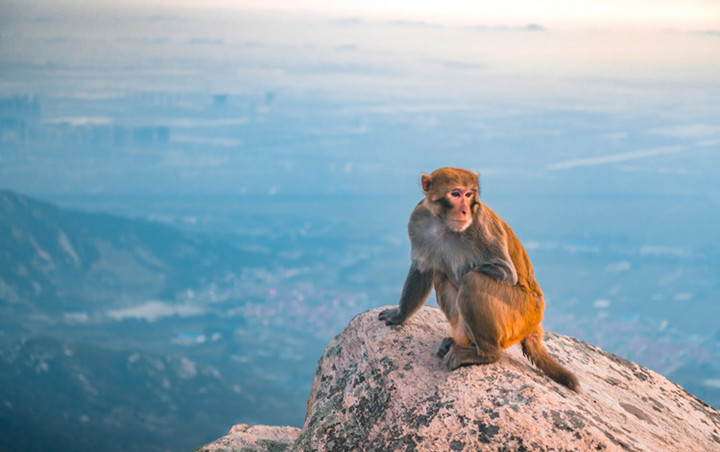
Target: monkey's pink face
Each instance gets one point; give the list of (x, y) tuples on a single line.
[(460, 200)]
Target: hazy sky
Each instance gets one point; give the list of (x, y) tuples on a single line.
[(694, 14)]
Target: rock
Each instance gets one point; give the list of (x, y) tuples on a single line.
[(260, 438), (382, 388)]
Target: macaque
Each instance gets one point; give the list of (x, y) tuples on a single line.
[(481, 274)]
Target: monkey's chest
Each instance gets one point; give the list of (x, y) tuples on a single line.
[(446, 255)]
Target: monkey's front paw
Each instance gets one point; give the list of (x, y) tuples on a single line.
[(391, 316), (444, 347)]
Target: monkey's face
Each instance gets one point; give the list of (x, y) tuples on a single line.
[(459, 202), (451, 194)]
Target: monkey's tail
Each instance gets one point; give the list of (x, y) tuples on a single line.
[(535, 351)]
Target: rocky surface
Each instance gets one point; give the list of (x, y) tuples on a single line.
[(383, 388), (242, 437)]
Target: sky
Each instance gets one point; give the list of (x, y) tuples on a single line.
[(682, 14)]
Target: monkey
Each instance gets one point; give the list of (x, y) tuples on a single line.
[(482, 276)]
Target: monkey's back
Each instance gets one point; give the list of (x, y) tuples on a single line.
[(520, 258)]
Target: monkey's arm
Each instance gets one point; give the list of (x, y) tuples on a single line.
[(500, 269), (415, 291), (494, 240)]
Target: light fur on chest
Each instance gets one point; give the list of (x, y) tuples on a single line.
[(437, 249)]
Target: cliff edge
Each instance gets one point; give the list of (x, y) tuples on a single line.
[(382, 388)]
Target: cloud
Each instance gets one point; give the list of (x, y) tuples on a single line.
[(80, 120), (153, 310), (220, 142), (193, 160), (416, 108), (664, 251), (607, 159), (449, 64), (528, 27), (221, 122), (205, 41), (697, 130)]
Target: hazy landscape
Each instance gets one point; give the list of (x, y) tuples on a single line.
[(194, 202)]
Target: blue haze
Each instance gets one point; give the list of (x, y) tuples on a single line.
[(302, 139)]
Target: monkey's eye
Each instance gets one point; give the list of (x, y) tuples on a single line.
[(469, 194), (456, 194)]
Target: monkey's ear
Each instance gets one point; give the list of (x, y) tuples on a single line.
[(426, 182)]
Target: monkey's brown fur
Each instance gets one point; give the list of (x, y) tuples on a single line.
[(482, 276)]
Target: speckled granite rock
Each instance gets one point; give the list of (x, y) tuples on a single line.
[(381, 388), (260, 438)]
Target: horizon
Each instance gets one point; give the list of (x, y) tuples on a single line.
[(695, 15)]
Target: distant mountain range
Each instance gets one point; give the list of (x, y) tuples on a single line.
[(80, 371), (57, 260)]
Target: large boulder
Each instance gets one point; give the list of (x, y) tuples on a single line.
[(383, 388)]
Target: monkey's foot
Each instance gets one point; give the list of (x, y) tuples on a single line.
[(461, 356), (464, 356), (444, 347)]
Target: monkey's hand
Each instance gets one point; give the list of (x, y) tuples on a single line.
[(500, 271), (392, 316)]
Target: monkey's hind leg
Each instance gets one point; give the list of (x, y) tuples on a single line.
[(476, 331), (463, 349), (464, 356)]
